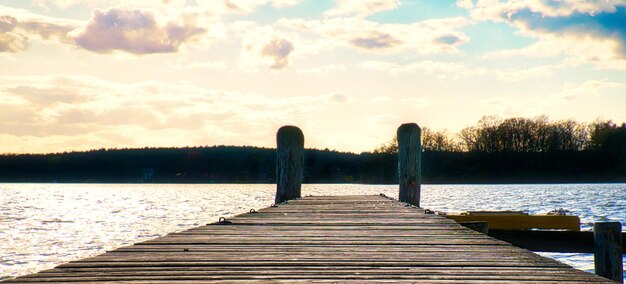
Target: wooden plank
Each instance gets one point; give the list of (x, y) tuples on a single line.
[(314, 277), (433, 271)]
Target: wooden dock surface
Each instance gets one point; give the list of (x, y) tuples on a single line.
[(321, 239)]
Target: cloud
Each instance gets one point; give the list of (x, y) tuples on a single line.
[(59, 112), (133, 31), (48, 31), (456, 70), (64, 4), (498, 9), (7, 24), (278, 49), (428, 67), (589, 87), (148, 28), (448, 39), (337, 98), (45, 96), (17, 26), (220, 7), (520, 74), (11, 40), (423, 37), (553, 101), (597, 24), (264, 46), (362, 8), (247, 6), (561, 27), (376, 41), (466, 4)]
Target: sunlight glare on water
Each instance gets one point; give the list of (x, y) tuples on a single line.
[(44, 225)]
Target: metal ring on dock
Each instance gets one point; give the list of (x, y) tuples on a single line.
[(223, 221)]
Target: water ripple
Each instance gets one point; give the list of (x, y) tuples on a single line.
[(44, 225)]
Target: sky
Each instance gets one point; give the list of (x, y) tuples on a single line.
[(88, 74)]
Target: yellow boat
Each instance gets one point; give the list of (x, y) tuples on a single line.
[(517, 220)]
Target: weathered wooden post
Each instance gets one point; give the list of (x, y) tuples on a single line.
[(409, 163), (289, 163), (607, 247)]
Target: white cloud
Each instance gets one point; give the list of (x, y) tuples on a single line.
[(278, 50), (60, 112), (135, 27), (17, 26), (247, 6), (264, 46), (466, 4), (48, 31), (143, 27), (454, 70), (516, 75), (552, 103), (134, 31), (601, 53), (221, 7), (10, 40), (498, 10), (590, 87), (376, 41), (583, 31), (423, 37), (362, 8), (438, 68)]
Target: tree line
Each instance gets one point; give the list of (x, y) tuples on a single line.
[(525, 135), (515, 150), (215, 164)]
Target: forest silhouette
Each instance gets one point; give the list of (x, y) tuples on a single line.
[(513, 150)]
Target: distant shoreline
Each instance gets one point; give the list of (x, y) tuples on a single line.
[(252, 165)]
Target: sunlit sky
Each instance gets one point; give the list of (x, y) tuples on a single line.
[(89, 74)]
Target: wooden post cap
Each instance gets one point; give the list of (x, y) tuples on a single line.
[(408, 128), (288, 135)]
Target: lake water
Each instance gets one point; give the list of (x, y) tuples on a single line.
[(44, 225)]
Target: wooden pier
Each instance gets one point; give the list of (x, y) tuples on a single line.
[(335, 238), (321, 239)]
